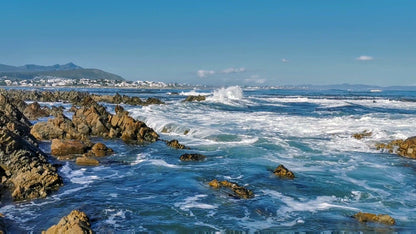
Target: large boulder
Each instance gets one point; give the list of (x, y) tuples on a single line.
[(67, 147), (283, 172), (76, 222), (380, 218), (238, 191), (60, 127), (87, 161), (34, 111)]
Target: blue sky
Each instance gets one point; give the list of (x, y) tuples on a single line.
[(219, 42)]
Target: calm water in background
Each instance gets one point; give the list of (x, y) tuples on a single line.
[(245, 134)]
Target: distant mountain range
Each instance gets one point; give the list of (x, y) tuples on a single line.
[(69, 70)]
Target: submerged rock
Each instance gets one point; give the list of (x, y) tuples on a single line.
[(238, 191), (192, 98), (362, 134), (192, 157), (75, 222), (380, 218), (282, 171), (176, 145)]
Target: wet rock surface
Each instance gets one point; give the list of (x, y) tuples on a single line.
[(380, 218), (404, 148), (283, 172), (192, 157), (362, 134), (193, 98), (34, 111), (75, 222), (176, 145), (238, 191)]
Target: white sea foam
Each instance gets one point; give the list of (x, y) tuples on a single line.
[(227, 95), (162, 163), (313, 205), (140, 158), (77, 176), (193, 202), (194, 92)]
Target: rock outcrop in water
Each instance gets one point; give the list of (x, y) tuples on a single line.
[(118, 99), (192, 157), (405, 148), (26, 171), (238, 191), (93, 119), (283, 172), (362, 134), (75, 222), (67, 147), (380, 218), (192, 98), (175, 144)]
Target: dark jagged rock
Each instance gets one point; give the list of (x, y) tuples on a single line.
[(75, 222), (362, 134), (404, 148), (238, 191), (153, 101), (380, 218), (192, 157), (34, 111), (193, 98), (283, 172), (176, 145)]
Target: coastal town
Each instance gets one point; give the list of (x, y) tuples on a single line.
[(51, 81)]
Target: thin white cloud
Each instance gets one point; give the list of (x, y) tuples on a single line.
[(365, 58), (284, 60), (204, 73), (233, 70)]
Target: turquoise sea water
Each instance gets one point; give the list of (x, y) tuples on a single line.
[(245, 134)]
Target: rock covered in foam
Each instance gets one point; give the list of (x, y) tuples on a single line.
[(363, 134), (175, 144), (75, 222)]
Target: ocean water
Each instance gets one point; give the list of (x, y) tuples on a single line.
[(245, 134)]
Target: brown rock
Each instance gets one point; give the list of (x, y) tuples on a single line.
[(192, 157), (368, 217), (238, 191), (76, 222), (282, 171), (192, 98), (362, 134), (67, 147), (87, 161), (34, 111), (405, 148), (101, 150), (175, 144)]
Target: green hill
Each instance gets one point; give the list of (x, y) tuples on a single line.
[(69, 71)]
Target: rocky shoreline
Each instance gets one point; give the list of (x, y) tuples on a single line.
[(27, 173)]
